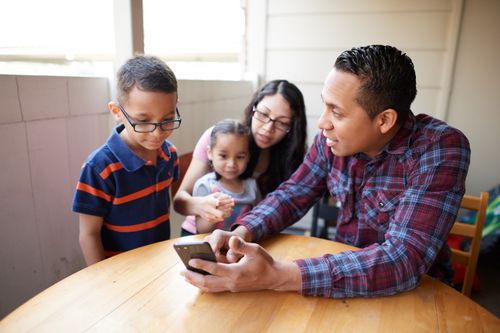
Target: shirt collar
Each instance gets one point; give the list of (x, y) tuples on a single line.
[(130, 161)]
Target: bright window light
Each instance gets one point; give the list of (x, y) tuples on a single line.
[(56, 37), (199, 39)]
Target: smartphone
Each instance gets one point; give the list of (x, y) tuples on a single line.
[(195, 250)]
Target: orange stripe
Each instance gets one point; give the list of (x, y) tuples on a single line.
[(138, 227), (110, 169), (142, 193), (172, 149), (91, 190), (162, 154)]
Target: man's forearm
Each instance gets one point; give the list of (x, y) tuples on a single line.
[(244, 233), (288, 277)]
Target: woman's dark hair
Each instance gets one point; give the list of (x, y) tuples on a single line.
[(286, 155), (147, 73), (230, 126), (387, 78)]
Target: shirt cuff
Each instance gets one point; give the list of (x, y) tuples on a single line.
[(316, 277)]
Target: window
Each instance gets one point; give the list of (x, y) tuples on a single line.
[(56, 37), (197, 38)]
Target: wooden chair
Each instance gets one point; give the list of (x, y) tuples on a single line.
[(326, 210), (184, 161), (472, 232)]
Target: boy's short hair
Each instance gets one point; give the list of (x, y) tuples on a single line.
[(147, 73)]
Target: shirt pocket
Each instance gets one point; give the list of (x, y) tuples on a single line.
[(379, 207), (342, 198)]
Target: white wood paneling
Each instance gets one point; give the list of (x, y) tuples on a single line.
[(426, 101), (300, 66), (474, 106), (342, 6), (310, 66), (312, 98), (10, 110), (403, 30)]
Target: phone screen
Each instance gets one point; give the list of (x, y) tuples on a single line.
[(195, 250)]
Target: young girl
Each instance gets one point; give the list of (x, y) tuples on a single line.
[(229, 154)]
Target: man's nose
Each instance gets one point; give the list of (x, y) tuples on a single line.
[(324, 122)]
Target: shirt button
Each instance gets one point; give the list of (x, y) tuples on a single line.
[(381, 204)]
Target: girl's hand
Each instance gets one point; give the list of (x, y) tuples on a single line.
[(215, 207)]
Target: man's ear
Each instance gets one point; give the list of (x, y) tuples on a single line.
[(386, 120), (115, 111)]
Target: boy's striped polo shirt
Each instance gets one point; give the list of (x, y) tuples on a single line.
[(129, 193)]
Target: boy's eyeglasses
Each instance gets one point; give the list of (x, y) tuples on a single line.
[(260, 116), (167, 125)]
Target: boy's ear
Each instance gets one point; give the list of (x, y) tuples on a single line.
[(115, 111), (387, 120)]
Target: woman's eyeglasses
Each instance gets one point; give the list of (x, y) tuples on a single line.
[(262, 117)]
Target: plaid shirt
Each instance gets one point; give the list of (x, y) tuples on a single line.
[(397, 207)]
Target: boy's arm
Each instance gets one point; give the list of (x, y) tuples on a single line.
[(90, 238)]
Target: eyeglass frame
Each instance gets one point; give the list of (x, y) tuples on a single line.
[(177, 120), (269, 119)]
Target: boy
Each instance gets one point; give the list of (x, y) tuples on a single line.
[(123, 194)]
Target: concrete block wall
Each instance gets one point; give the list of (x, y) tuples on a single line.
[(48, 127)]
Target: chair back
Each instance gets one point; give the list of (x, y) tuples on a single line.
[(472, 232), (184, 161), (326, 210)]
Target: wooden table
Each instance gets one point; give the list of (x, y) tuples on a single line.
[(142, 291)]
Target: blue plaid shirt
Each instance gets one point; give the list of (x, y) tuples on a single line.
[(398, 207)]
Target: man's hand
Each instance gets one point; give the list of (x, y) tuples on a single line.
[(256, 270)]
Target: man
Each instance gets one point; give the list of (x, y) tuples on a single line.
[(398, 177)]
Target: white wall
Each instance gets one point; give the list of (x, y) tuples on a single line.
[(474, 105), (48, 126), (299, 40)]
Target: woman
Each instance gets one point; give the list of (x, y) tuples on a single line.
[(276, 116)]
